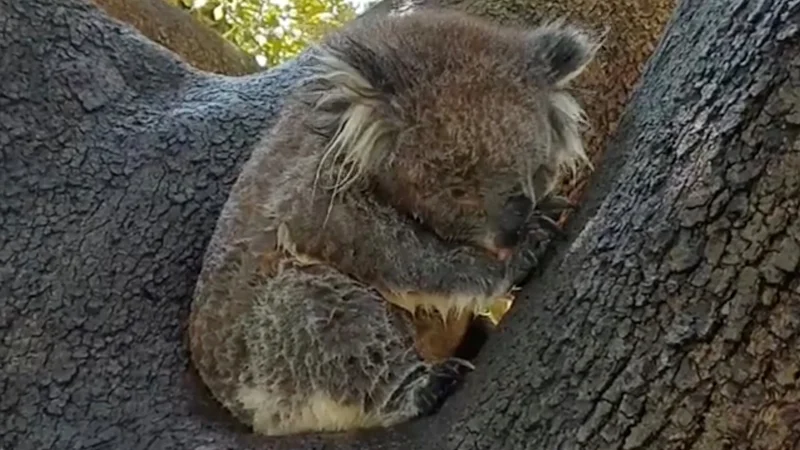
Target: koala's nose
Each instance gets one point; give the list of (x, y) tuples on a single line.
[(513, 217)]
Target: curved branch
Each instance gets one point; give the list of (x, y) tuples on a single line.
[(115, 160), (178, 31)]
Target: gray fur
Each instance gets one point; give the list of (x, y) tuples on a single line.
[(561, 51)]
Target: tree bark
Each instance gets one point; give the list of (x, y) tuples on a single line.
[(670, 320), (176, 29), (115, 161)]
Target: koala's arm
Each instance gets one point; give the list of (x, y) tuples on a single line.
[(379, 246)]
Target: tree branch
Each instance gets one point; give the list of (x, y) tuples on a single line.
[(176, 29), (116, 159)]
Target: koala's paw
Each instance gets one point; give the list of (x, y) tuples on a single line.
[(424, 389), (525, 260), (542, 230), (545, 216), (443, 380), (553, 205)]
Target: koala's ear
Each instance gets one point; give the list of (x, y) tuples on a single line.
[(353, 89), (560, 52)]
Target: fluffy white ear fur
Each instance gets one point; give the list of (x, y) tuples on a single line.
[(364, 129), (559, 53), (566, 119)]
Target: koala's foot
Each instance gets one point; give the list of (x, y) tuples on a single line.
[(312, 350), (444, 379), (424, 390)]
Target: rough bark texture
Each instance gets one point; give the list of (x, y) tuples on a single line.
[(178, 31), (115, 160), (672, 319), (670, 322)]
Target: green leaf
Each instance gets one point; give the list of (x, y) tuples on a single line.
[(218, 13), (272, 30)]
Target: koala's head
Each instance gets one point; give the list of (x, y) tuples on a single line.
[(456, 122)]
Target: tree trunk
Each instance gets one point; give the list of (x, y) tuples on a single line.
[(670, 320), (176, 29)]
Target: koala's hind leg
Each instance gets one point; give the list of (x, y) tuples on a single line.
[(327, 354)]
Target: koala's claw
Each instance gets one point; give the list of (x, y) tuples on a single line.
[(554, 205), (444, 379), (457, 366), (542, 228), (550, 225), (555, 201)]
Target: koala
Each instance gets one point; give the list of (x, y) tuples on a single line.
[(408, 170)]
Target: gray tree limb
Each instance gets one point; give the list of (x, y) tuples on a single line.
[(116, 159), (670, 320)]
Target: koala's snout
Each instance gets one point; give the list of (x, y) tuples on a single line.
[(507, 227), (512, 220)]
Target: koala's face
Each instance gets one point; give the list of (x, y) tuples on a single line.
[(475, 162), (456, 122)]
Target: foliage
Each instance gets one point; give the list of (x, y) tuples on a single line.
[(271, 30)]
